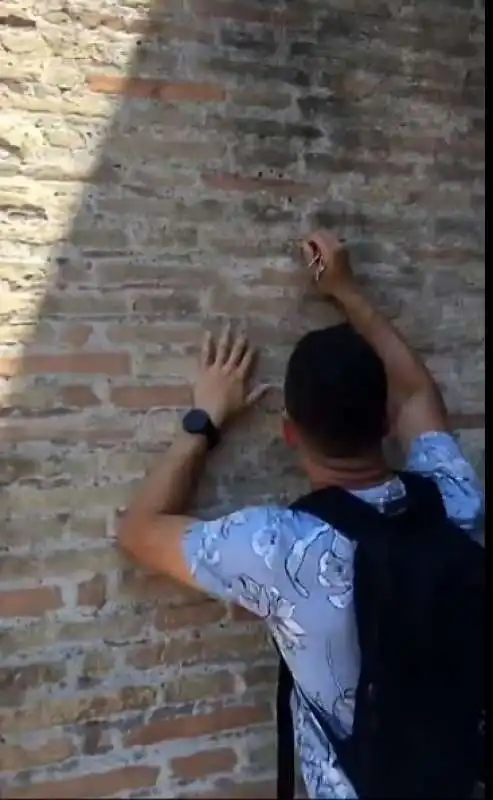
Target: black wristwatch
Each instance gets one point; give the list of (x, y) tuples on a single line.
[(197, 421)]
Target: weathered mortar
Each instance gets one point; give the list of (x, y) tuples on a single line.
[(130, 213)]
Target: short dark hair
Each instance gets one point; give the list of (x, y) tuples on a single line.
[(335, 391)]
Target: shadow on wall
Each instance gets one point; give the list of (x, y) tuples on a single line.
[(204, 139), (157, 166)]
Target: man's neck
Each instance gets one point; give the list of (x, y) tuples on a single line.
[(348, 473)]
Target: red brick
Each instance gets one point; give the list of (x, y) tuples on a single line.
[(105, 363), (157, 333), (15, 468), (61, 430), (49, 712), (59, 562), (170, 31), (21, 678), (261, 97), (232, 303), (15, 21), (191, 687), (78, 396), (30, 602), (93, 785), (246, 12), (260, 675), (144, 586), (450, 256), (432, 145), (222, 719), (468, 421), (229, 182), (143, 397), (179, 304), (204, 613), (156, 89), (215, 647), (269, 276), (96, 740), (229, 790), (76, 335), (98, 19), (200, 765), (14, 758), (92, 592)]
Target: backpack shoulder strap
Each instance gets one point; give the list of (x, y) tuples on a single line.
[(286, 756), (348, 513), (357, 518), (351, 516), (423, 495)]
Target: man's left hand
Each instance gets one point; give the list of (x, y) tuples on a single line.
[(222, 386)]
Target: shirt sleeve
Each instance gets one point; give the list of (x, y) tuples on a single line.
[(439, 456), (237, 557)]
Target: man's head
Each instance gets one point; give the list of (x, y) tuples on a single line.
[(335, 394)]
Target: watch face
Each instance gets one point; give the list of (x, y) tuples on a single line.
[(195, 421)]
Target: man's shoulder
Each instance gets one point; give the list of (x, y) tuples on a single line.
[(271, 522), (257, 556), (269, 533), (438, 455)]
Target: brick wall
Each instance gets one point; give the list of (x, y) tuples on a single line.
[(131, 210)]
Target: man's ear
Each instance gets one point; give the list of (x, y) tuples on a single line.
[(289, 432)]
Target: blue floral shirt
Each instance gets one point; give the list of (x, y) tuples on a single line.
[(296, 573)]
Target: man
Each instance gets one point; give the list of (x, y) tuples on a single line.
[(345, 388)]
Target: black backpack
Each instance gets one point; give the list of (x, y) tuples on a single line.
[(419, 584)]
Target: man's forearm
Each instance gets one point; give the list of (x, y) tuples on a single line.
[(415, 405), (221, 392), (406, 372), (153, 527), (169, 486)]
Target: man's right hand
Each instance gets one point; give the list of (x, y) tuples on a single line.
[(329, 262), (415, 402)]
